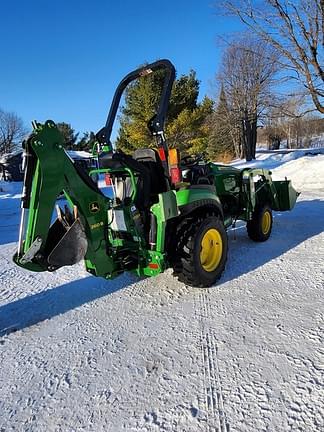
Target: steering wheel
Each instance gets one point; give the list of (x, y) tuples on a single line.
[(191, 161)]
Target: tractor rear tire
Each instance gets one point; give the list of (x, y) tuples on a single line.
[(201, 252), (260, 226)]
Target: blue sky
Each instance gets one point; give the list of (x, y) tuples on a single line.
[(63, 59)]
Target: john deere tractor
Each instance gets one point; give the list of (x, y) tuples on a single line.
[(163, 211)]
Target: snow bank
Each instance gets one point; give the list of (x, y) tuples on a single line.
[(305, 167), (306, 173), (271, 159)]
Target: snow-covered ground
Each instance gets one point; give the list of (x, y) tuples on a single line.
[(80, 353)]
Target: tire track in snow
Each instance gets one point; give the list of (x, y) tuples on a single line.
[(136, 289), (17, 283), (213, 392)]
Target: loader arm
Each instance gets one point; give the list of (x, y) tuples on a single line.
[(78, 232)]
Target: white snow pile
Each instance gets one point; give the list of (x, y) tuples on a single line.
[(306, 173), (274, 158), (80, 353), (304, 167)]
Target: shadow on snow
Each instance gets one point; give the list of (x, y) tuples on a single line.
[(35, 308), (290, 229)]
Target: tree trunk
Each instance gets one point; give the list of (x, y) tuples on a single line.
[(288, 138), (235, 133), (243, 141), (277, 143), (247, 137), (254, 136)]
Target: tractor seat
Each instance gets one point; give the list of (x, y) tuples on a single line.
[(118, 162), (152, 162), (110, 160)]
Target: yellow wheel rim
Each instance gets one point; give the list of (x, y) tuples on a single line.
[(266, 222), (211, 250)]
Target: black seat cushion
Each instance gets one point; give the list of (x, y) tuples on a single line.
[(119, 160), (151, 160), (109, 160)]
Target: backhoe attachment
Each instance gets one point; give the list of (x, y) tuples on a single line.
[(46, 242)]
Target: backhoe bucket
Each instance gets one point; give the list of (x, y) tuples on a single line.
[(66, 245)]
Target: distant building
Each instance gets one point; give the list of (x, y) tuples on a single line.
[(11, 164)]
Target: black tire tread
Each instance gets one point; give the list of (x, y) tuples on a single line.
[(183, 265), (253, 226)]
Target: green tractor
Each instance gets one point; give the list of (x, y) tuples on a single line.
[(163, 211)]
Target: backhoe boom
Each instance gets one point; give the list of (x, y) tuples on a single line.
[(78, 231)]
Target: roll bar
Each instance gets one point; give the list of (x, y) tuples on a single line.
[(156, 123)]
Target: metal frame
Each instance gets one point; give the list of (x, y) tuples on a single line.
[(157, 122)]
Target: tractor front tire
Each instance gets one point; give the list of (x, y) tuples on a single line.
[(201, 252), (260, 226)]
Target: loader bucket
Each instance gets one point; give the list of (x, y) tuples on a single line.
[(286, 195)]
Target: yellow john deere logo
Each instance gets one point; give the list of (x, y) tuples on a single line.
[(94, 207)]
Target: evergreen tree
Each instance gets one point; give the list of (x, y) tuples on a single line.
[(185, 116), (86, 142), (189, 131), (220, 140), (141, 101), (70, 137), (184, 95)]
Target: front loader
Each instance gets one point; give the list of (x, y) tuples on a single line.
[(162, 212)]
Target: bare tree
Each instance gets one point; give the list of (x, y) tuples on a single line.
[(288, 121), (12, 131), (296, 29), (272, 132), (247, 73)]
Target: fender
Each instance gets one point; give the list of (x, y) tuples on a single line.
[(198, 196)]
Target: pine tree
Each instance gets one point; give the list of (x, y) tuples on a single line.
[(185, 116), (184, 95), (220, 141), (70, 137), (189, 130), (86, 142)]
